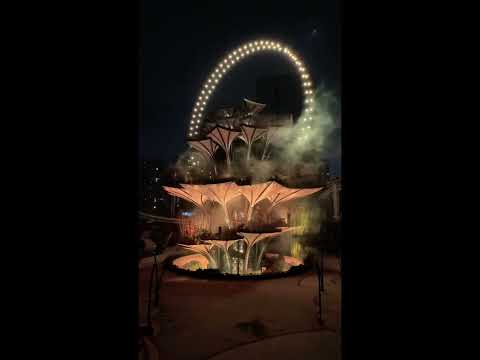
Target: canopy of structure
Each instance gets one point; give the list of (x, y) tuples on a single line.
[(279, 193), (224, 138), (224, 192), (188, 193), (206, 147), (251, 239), (253, 107), (254, 194)]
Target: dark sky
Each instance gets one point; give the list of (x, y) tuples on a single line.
[(179, 51)]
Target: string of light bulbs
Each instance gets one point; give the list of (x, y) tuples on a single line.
[(236, 56)]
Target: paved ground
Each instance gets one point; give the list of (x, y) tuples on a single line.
[(198, 319), (304, 345)]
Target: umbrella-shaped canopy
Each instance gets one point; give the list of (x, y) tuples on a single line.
[(253, 107), (224, 138), (279, 193), (225, 245), (206, 147), (271, 136), (221, 193), (203, 249), (254, 194), (249, 135), (189, 194), (253, 238)]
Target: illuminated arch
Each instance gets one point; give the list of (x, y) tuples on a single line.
[(236, 56)]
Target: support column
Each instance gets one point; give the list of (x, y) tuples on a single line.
[(336, 205)]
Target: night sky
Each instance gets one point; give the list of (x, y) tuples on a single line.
[(179, 51)]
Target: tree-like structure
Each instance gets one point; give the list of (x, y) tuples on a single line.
[(249, 135), (279, 193), (270, 136), (224, 138), (205, 250), (251, 239), (252, 107), (190, 194), (207, 148), (254, 194), (225, 246), (221, 193)]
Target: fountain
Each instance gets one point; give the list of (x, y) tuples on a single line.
[(245, 210), (237, 255)]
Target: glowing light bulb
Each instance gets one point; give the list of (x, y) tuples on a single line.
[(198, 121), (194, 110), (221, 65), (194, 116)]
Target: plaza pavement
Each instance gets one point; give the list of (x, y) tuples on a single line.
[(220, 320)]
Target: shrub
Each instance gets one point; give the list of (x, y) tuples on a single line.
[(193, 266)]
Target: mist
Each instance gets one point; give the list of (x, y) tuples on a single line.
[(306, 143)]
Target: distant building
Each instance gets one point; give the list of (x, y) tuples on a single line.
[(152, 176)]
